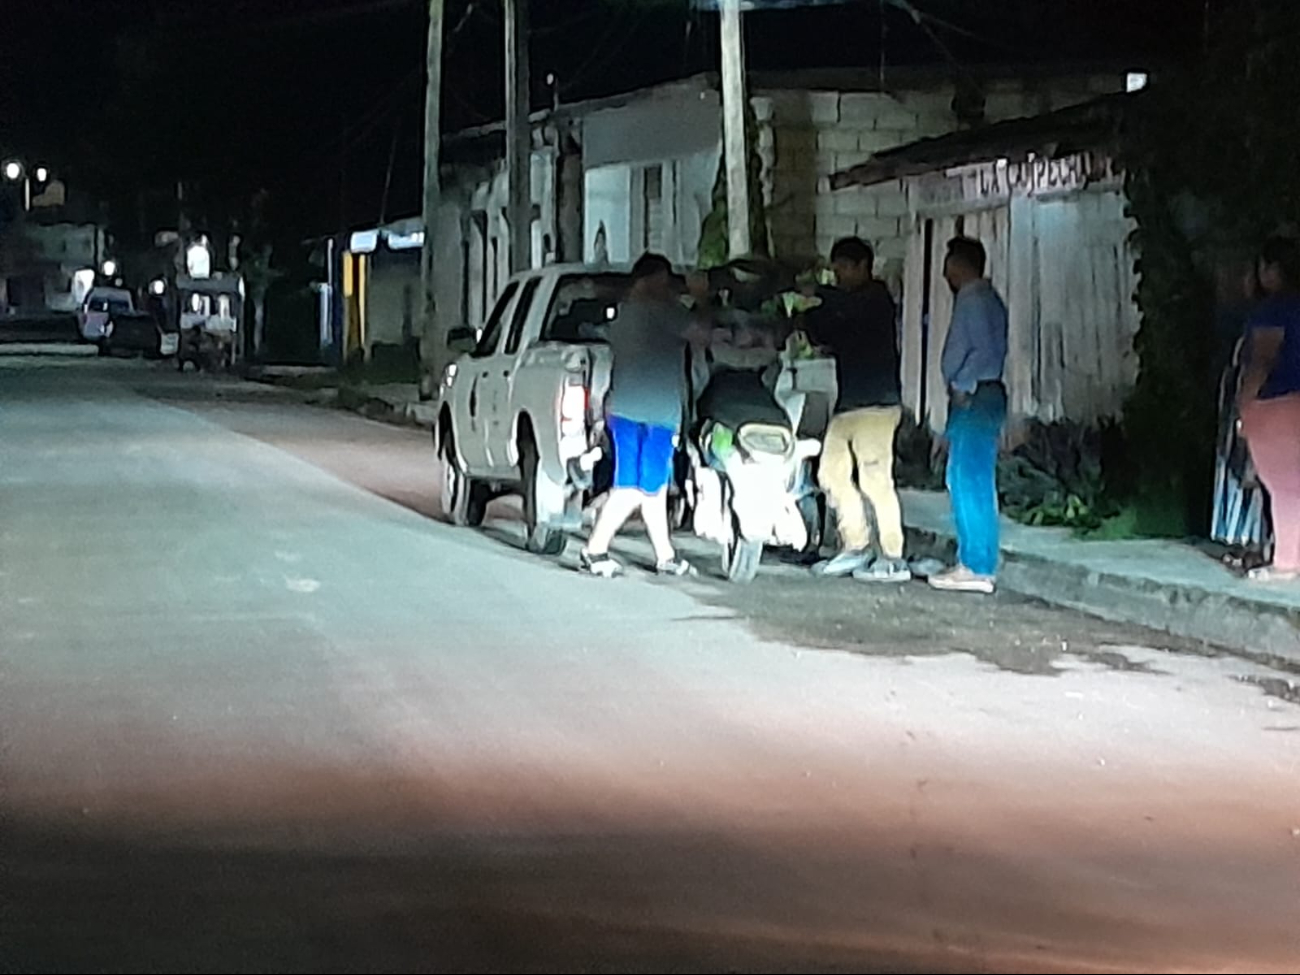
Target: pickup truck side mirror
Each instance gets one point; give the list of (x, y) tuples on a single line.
[(462, 339)]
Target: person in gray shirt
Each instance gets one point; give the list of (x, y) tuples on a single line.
[(974, 356), (647, 392)]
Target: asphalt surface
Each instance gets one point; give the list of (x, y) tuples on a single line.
[(261, 712)]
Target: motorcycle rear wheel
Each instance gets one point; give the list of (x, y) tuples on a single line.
[(741, 558)]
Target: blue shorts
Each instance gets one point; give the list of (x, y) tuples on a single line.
[(643, 454)]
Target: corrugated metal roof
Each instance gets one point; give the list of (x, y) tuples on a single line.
[(1091, 125)]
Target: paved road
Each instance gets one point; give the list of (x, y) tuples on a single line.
[(261, 712)]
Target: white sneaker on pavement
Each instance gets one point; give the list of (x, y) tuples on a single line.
[(884, 570), (844, 564), (962, 579)]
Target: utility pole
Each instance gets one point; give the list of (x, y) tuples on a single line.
[(735, 151), (519, 137), (433, 337)]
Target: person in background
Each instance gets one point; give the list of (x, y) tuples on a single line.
[(1240, 519), (856, 323), (974, 356), (647, 391), (1270, 401)]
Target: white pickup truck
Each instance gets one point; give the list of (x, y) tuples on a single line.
[(520, 409)]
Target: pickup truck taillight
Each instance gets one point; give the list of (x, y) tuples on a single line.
[(573, 410)]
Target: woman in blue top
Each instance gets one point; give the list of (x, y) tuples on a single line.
[(1270, 401)]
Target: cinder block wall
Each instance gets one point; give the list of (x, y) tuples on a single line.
[(805, 136)]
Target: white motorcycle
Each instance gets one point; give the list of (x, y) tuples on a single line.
[(750, 483)]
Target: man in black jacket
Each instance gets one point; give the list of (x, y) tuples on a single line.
[(855, 321)]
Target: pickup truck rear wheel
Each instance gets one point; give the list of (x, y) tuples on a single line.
[(542, 538), (464, 502)]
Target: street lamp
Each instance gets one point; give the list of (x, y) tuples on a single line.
[(110, 268), (15, 172), (42, 174)]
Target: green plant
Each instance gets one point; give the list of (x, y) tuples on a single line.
[(1055, 478)]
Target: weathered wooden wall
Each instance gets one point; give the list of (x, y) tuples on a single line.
[(1064, 266)]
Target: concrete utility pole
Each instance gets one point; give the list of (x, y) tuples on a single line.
[(735, 152), (433, 336), (519, 136)]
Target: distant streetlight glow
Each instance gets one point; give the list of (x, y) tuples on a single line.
[(13, 170), (158, 286), (110, 268), (198, 259), (82, 281), (42, 174)]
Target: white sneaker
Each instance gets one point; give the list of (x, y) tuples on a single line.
[(884, 570), (962, 579), (844, 564)]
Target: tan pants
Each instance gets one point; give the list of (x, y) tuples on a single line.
[(857, 468)]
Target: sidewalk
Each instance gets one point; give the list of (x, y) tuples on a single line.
[(391, 402), (1162, 584)]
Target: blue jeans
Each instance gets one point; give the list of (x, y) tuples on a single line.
[(974, 429)]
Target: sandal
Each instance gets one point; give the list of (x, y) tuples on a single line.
[(602, 566)]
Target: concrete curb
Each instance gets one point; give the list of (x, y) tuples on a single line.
[(377, 407), (1187, 611), (361, 400)]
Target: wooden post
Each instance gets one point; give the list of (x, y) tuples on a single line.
[(433, 338), (519, 137), (733, 128)]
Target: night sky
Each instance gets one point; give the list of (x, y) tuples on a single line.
[(311, 99)]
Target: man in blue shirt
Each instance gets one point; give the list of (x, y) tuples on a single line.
[(973, 359)]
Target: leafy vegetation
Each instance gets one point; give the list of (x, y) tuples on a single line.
[(1055, 477)]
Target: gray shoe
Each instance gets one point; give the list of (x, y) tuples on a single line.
[(842, 565), (924, 568), (884, 570)]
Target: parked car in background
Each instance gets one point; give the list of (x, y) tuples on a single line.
[(99, 305), (139, 332)]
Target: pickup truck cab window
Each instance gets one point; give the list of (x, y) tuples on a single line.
[(520, 317), (487, 343), (583, 306)]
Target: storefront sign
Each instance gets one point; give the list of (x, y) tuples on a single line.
[(363, 241), (404, 242), (989, 184)]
